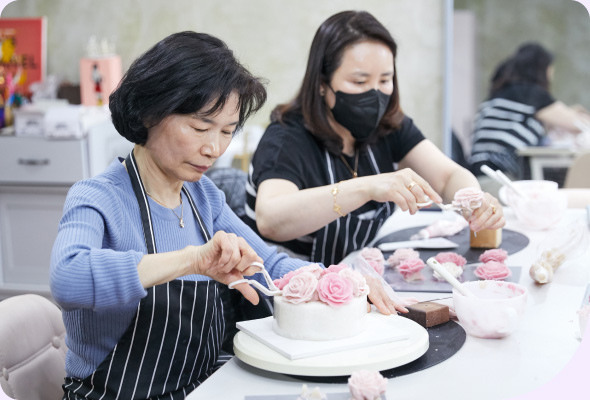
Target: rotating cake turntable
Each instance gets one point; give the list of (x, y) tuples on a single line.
[(373, 357)]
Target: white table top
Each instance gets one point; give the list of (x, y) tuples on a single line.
[(546, 340)]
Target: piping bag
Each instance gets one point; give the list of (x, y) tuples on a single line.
[(361, 265)]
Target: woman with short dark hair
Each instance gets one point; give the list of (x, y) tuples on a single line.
[(325, 175), (514, 116), (144, 248)]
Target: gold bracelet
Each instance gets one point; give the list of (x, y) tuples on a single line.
[(337, 209)]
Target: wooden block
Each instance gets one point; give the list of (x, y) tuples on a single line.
[(428, 313), (486, 239)]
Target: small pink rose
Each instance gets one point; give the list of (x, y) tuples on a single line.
[(411, 269), (315, 269), (375, 258), (366, 385), (468, 198), (359, 283), (335, 290), (401, 255), (284, 280), (301, 288), (449, 256), (497, 255), (335, 268), (492, 270)]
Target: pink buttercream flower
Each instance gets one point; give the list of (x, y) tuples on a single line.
[(359, 283), (375, 258), (335, 290), (468, 198), (497, 255), (449, 256), (401, 255), (315, 269), (366, 385), (335, 268), (410, 269), (301, 288), (492, 270)]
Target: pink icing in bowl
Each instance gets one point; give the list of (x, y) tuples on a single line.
[(494, 312)]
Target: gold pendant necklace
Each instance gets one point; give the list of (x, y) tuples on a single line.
[(356, 164), (180, 217)]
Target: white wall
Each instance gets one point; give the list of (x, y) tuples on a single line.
[(272, 37)]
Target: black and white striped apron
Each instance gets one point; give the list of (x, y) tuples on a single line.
[(352, 232), (173, 343)]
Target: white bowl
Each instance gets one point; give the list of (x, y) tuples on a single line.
[(543, 207), (494, 312)]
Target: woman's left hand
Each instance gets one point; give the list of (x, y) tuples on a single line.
[(489, 216), (381, 300)]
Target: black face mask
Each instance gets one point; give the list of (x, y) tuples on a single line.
[(360, 113)]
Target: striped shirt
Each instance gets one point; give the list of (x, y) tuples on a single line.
[(506, 123)]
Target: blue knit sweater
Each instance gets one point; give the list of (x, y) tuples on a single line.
[(100, 241)]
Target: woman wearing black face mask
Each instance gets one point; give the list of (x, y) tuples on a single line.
[(322, 180)]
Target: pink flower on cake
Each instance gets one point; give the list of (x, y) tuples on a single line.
[(335, 268), (410, 269), (366, 385), (359, 283), (449, 256), (468, 198), (375, 258), (335, 290), (492, 270), (497, 255), (401, 255), (315, 269), (301, 288)]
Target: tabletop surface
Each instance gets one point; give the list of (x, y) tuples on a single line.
[(545, 341)]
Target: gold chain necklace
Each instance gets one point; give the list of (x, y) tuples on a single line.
[(180, 217), (356, 164)]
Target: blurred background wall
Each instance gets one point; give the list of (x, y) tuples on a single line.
[(272, 37)]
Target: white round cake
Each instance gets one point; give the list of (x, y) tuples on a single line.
[(316, 320)]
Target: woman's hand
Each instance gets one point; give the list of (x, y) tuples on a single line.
[(489, 216), (226, 258), (381, 300), (404, 187)]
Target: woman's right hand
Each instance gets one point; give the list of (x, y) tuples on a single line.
[(404, 187), (226, 258)]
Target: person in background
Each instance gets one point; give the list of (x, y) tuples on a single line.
[(516, 113), (335, 161)]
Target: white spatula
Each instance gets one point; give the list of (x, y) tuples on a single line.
[(435, 265)]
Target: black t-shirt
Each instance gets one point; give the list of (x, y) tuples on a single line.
[(289, 151)]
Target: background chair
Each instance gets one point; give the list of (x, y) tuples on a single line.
[(578, 174), (32, 348)]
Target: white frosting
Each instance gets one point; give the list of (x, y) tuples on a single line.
[(316, 320), (453, 268)]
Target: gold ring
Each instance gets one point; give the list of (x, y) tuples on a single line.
[(493, 209), (411, 185)]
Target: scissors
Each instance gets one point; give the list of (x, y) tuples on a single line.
[(272, 289)]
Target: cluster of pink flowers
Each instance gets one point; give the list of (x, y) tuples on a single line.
[(401, 255), (468, 198), (493, 266), (336, 285), (375, 258)]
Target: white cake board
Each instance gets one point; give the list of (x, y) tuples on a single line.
[(376, 331), (377, 357)]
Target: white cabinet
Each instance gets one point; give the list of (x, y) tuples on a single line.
[(35, 175)]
